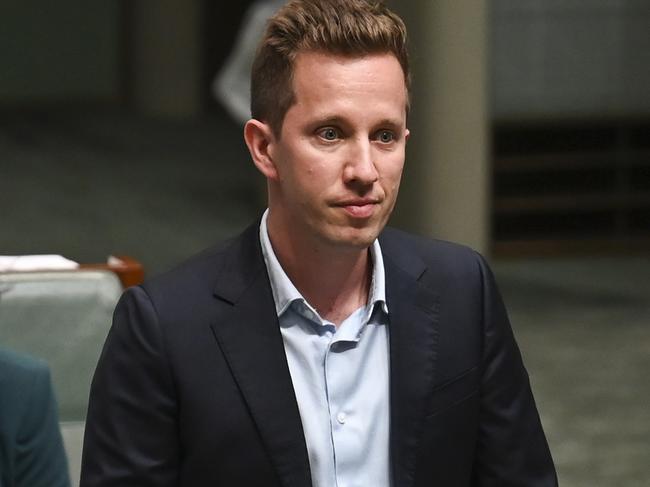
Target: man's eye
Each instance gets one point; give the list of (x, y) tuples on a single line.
[(385, 136), (329, 133)]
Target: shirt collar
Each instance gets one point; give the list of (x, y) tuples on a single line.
[(284, 292)]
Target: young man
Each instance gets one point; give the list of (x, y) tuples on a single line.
[(318, 348)]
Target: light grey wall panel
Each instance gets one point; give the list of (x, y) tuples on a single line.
[(570, 58)]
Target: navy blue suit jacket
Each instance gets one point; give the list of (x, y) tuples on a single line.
[(193, 389)]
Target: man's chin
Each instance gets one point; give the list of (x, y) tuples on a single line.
[(354, 238)]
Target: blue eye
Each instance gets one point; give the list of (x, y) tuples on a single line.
[(329, 133), (385, 136)]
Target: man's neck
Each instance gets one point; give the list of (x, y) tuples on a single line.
[(334, 281)]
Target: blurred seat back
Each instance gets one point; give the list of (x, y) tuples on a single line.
[(62, 317)]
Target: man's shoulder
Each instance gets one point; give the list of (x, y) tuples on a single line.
[(18, 366), (21, 377), (446, 268), (201, 271), (401, 245)]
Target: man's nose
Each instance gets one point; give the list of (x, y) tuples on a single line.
[(360, 167)]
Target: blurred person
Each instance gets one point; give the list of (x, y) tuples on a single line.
[(31, 447), (319, 347)]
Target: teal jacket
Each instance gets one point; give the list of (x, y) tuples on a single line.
[(31, 448)]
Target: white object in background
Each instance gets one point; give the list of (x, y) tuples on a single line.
[(232, 84), (20, 263)]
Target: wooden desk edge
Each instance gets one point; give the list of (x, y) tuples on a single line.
[(129, 271)]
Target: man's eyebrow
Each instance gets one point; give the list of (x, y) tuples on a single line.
[(338, 120), (329, 120), (390, 122)]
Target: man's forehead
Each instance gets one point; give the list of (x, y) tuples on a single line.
[(315, 70)]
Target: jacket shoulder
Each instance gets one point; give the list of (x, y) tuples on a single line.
[(17, 367), (24, 380), (193, 282), (203, 266), (410, 249), (197, 269)]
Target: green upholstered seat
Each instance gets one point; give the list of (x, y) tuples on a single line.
[(62, 317)]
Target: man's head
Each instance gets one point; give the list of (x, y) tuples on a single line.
[(349, 28), (330, 99)]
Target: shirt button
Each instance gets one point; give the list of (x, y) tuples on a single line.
[(341, 417)]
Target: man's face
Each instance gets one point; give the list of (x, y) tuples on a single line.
[(340, 155)]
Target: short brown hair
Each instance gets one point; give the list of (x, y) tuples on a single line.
[(343, 27)]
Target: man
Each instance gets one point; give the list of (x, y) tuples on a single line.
[(31, 447), (308, 351)]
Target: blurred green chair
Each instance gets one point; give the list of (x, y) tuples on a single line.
[(62, 317)]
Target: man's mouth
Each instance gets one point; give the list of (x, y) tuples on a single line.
[(359, 208)]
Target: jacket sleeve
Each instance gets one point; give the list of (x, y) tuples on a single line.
[(131, 435), (512, 449), (40, 459)]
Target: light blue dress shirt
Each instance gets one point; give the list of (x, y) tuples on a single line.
[(340, 377)]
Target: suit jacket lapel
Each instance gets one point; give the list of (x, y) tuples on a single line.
[(413, 310), (249, 335)]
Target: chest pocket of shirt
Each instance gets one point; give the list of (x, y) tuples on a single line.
[(454, 391)]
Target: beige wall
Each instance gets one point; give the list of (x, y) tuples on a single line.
[(445, 191)]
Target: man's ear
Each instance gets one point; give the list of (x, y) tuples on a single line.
[(259, 138)]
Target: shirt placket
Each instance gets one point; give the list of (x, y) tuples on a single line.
[(341, 417)]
